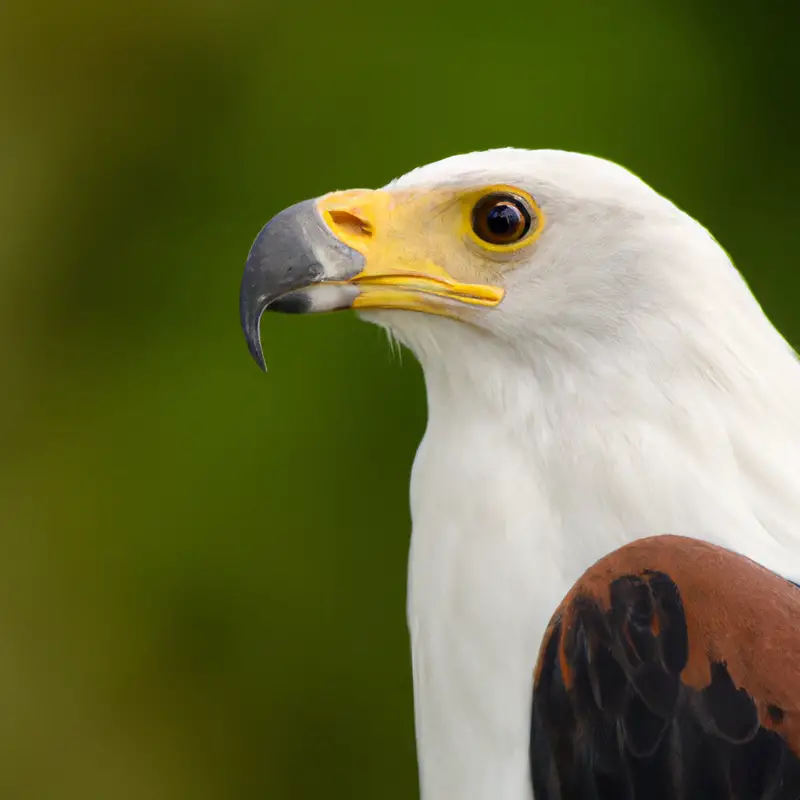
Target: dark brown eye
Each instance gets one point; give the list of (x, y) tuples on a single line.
[(501, 218)]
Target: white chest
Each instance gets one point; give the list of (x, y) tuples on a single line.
[(503, 524), (480, 594)]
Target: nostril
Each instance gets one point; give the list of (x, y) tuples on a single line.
[(350, 223)]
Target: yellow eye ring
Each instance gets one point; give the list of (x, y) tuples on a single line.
[(501, 218)]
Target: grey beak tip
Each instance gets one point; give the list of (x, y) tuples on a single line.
[(283, 261), (250, 316), (254, 346)]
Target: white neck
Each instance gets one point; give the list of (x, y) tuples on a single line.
[(526, 475)]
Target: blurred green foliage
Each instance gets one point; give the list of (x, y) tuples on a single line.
[(202, 578)]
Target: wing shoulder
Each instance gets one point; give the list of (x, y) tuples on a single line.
[(670, 670)]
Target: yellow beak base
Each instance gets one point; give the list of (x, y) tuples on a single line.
[(391, 278)]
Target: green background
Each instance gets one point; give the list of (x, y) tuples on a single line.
[(202, 573)]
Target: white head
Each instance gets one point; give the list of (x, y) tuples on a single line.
[(608, 275), (617, 276)]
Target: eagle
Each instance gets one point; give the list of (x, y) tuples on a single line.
[(606, 500)]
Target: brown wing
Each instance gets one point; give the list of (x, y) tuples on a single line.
[(670, 670)]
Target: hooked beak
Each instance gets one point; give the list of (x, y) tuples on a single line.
[(328, 254)]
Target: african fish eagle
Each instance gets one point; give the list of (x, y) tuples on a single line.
[(597, 372)]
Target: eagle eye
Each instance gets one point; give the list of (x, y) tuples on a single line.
[(501, 218)]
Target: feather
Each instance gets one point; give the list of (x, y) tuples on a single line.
[(718, 630)]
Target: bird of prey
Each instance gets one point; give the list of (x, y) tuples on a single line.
[(597, 372)]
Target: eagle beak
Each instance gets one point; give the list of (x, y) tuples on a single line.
[(293, 251), (341, 251)]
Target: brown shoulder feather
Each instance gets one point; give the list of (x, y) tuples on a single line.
[(673, 658)]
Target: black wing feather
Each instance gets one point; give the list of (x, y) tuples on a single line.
[(612, 719)]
